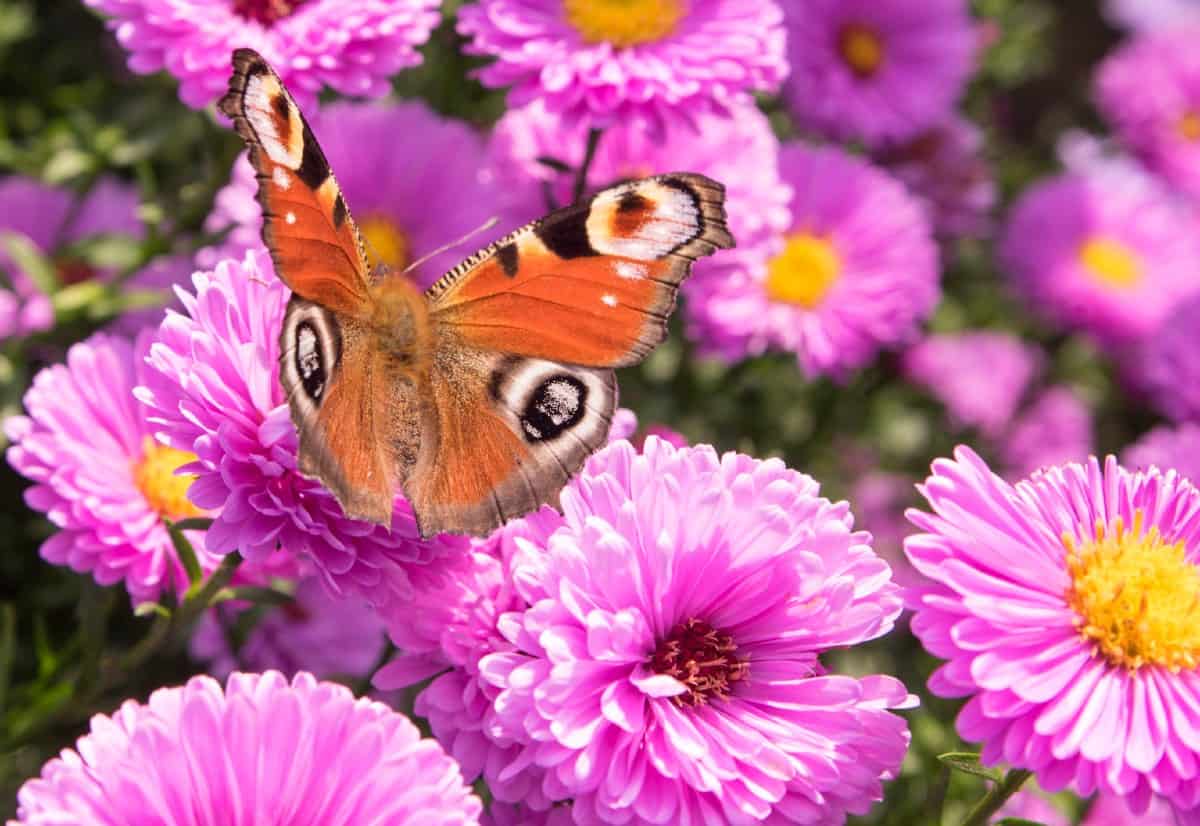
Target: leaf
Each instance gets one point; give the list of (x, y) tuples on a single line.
[(67, 164), (255, 594), (31, 261), (146, 609), (968, 763)]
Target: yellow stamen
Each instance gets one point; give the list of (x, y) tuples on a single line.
[(1137, 596), (861, 48), (624, 22), (155, 477), (386, 243), (1189, 126), (1111, 262), (805, 270)]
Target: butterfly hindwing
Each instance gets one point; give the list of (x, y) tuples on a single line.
[(592, 284), (307, 226)]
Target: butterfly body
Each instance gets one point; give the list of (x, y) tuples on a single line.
[(480, 397)]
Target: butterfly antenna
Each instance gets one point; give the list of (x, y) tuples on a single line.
[(486, 225)]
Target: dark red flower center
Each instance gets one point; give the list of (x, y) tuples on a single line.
[(703, 659), (73, 271), (265, 11)]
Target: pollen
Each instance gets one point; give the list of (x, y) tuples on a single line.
[(862, 49), (804, 272), (386, 243), (1137, 596), (1111, 262), (155, 477), (624, 23), (1189, 126), (703, 659)]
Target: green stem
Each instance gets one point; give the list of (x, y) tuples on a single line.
[(589, 154), (996, 797)]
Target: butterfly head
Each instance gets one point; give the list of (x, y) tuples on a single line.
[(399, 319)]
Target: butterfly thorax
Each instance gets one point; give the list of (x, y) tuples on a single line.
[(400, 321)]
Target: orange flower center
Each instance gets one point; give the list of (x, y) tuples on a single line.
[(155, 477), (624, 22), (804, 272), (861, 48), (1111, 262), (386, 243)]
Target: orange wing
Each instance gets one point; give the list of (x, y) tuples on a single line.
[(308, 229), (592, 284)]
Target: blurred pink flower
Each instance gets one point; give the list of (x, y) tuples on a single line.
[(310, 43), (1168, 363), (1067, 609), (856, 271), (1167, 448), (259, 750), (877, 70), (1110, 810), (605, 62), (1029, 805), (1146, 15), (1055, 428)]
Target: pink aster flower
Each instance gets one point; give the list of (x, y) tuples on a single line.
[(407, 204), (666, 669), (739, 150), (1111, 810), (101, 478), (509, 814), (1055, 428), (1167, 448), (980, 375), (260, 750), (856, 271), (1031, 806), (944, 167), (212, 386), (878, 71), (316, 632), (1105, 250), (606, 62), (50, 220), (1169, 365), (1146, 15), (1163, 127), (1067, 608), (310, 43)]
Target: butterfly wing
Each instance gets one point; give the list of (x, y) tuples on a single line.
[(526, 334), (313, 240), (592, 284)]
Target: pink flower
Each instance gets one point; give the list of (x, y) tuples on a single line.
[(1168, 364), (310, 43), (1110, 810), (1029, 805), (606, 62), (1167, 448), (855, 272), (101, 478), (316, 632), (1055, 428), (879, 70), (980, 376), (261, 750), (1067, 608), (212, 386), (673, 558)]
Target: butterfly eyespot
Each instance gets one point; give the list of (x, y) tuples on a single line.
[(308, 360), (557, 405), (311, 346)]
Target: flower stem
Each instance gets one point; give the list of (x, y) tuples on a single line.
[(589, 154), (996, 797)]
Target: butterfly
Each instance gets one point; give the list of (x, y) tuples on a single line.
[(480, 397)]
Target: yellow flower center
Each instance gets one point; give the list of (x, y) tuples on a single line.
[(1111, 263), (1137, 596), (155, 477), (1189, 126), (805, 270), (861, 48), (624, 22), (386, 243)]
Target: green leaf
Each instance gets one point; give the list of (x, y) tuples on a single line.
[(146, 609), (31, 261), (968, 763), (186, 553), (67, 164), (255, 594), (109, 251)]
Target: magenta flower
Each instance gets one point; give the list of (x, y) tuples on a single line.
[(1169, 365), (1146, 15), (945, 168), (1167, 448), (1067, 608), (980, 376), (1110, 810), (261, 750), (508, 814), (1163, 128), (101, 478), (1104, 249), (407, 204), (212, 386), (48, 219), (1031, 806), (880, 499), (856, 271), (877, 71), (1055, 428), (317, 632), (607, 62), (310, 43), (667, 666)]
